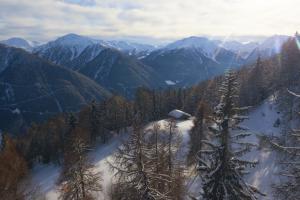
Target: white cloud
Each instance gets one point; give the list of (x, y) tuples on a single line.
[(45, 19)]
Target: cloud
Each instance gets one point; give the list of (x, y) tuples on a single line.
[(81, 2), (162, 19)]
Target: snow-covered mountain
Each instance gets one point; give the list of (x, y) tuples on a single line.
[(191, 60), (102, 62), (64, 48), (130, 48), (20, 43), (268, 48), (242, 49), (249, 50), (188, 66), (74, 45), (207, 46)]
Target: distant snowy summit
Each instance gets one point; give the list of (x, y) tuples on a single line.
[(20, 43), (250, 50), (208, 46)]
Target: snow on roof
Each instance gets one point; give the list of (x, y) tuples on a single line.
[(178, 114), (169, 82)]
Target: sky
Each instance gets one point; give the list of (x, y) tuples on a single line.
[(146, 20)]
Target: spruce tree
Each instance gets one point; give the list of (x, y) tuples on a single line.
[(220, 164)]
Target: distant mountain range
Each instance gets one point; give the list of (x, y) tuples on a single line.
[(242, 49), (268, 48), (70, 71), (183, 62), (116, 70)]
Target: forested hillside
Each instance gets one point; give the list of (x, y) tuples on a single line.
[(244, 123)]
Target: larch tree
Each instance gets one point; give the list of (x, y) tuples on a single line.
[(13, 169), (197, 132), (96, 122), (256, 84), (174, 161), (130, 164), (220, 164), (79, 181), (145, 167)]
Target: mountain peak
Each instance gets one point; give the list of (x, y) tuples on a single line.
[(18, 42), (207, 46), (74, 40)]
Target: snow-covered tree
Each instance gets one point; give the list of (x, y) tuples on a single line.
[(131, 165), (145, 166), (79, 181), (174, 164), (220, 164)]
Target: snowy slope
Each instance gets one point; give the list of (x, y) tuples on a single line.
[(260, 122), (45, 177)]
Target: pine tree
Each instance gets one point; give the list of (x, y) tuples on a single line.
[(220, 165)]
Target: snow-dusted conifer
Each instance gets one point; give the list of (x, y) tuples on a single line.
[(220, 164)]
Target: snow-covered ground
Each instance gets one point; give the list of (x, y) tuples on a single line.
[(45, 176), (261, 122)]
